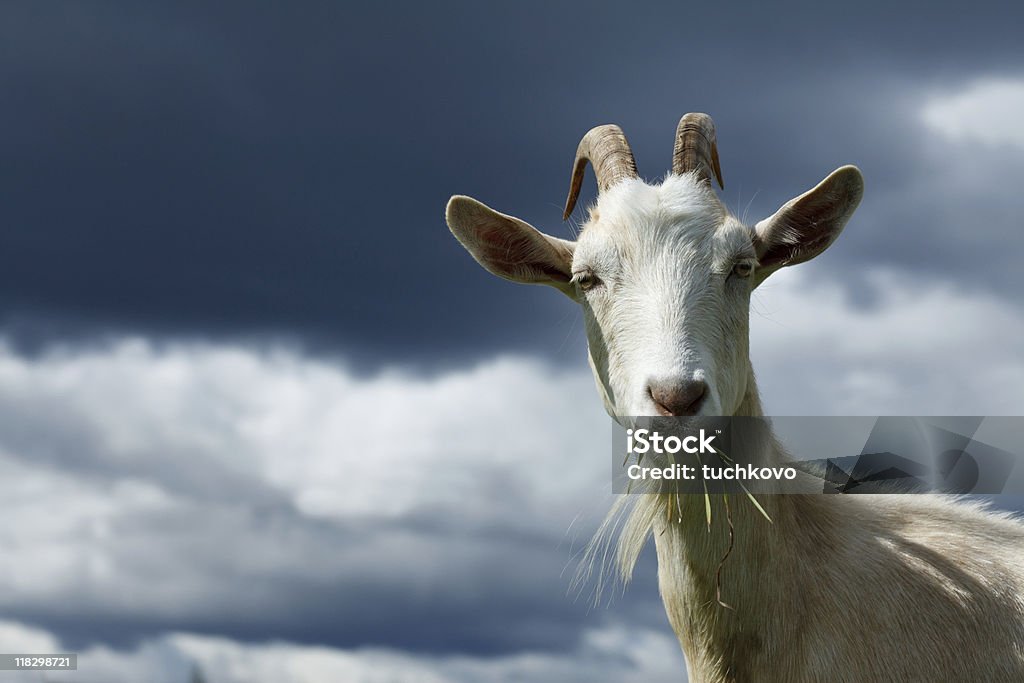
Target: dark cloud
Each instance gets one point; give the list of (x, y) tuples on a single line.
[(260, 169), (497, 595)]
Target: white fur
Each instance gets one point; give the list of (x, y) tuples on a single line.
[(836, 588)]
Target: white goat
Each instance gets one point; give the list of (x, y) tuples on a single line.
[(837, 588)]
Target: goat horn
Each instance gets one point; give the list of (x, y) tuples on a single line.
[(606, 148), (696, 148)]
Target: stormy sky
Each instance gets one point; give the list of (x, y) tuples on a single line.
[(258, 409)]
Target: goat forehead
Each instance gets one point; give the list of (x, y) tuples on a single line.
[(678, 221), (636, 205)]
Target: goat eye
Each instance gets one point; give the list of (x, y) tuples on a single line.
[(743, 269), (585, 279)]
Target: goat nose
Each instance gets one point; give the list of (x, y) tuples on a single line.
[(677, 397)]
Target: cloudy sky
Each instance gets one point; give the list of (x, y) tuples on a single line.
[(260, 413)]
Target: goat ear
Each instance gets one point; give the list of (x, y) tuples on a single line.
[(804, 227), (508, 247)]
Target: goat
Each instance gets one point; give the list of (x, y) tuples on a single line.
[(836, 588)]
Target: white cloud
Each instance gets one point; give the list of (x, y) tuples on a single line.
[(18, 638), (923, 347), (988, 110), (308, 430), (165, 482), (146, 483), (609, 654)]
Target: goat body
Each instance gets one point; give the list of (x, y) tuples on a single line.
[(836, 588)]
